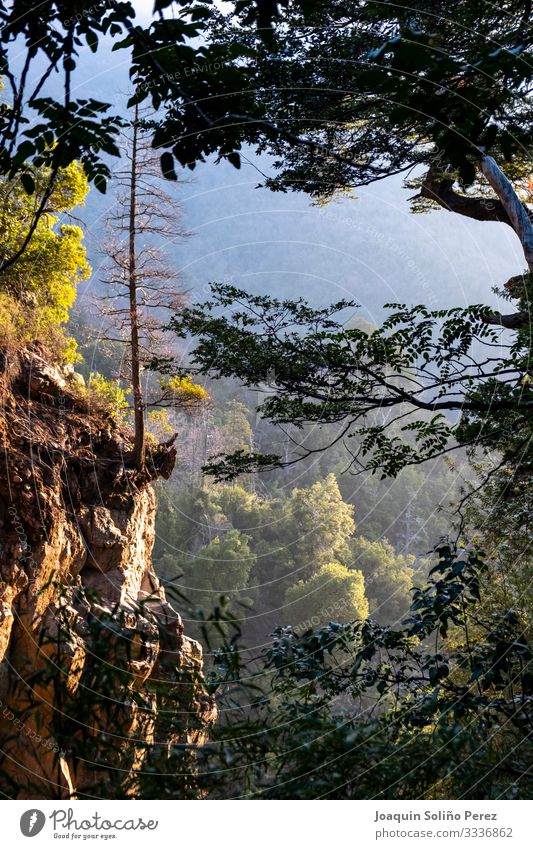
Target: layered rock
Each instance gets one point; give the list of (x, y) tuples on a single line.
[(87, 636)]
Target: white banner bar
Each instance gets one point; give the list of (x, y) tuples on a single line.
[(272, 825)]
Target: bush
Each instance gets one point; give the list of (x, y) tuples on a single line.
[(11, 321), (183, 393), (107, 396), (38, 290)]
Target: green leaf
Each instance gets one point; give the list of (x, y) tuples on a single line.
[(100, 183), (28, 182), (167, 166), (235, 159), (25, 150), (92, 40)]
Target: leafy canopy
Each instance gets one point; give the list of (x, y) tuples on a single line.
[(391, 388), (41, 286), (391, 86), (333, 593)]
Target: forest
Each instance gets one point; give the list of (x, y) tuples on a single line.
[(265, 494)]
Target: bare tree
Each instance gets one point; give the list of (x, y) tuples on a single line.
[(143, 287)]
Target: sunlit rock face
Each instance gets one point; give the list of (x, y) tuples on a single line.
[(87, 636)]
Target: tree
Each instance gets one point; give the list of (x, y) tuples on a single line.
[(388, 578), (143, 286), (382, 90), (316, 526), (133, 283), (294, 536), (235, 430), (360, 91), (247, 511), (38, 291), (37, 131), (332, 594), (411, 510), (418, 366), (349, 94), (345, 93), (289, 537), (500, 522), (220, 568)]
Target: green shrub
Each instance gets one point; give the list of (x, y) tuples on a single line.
[(107, 396)]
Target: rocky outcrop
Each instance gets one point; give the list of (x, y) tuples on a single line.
[(88, 640)]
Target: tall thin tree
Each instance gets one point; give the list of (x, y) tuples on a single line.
[(142, 227), (138, 403)]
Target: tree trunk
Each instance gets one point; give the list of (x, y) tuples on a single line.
[(138, 402), (512, 204)]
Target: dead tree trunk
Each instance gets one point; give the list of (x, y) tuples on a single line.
[(138, 403)]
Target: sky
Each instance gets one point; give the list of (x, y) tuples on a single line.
[(370, 248)]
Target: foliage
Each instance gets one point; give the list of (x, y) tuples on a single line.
[(500, 517), (411, 510), (184, 393), (442, 715), (284, 539), (334, 592), (39, 130), (159, 427), (97, 354), (79, 129), (410, 372), (11, 321), (436, 718), (388, 577), (63, 131), (403, 77), (315, 525), (342, 94), (485, 675), (220, 568), (246, 510), (351, 92), (234, 417), (302, 558), (233, 552), (107, 395), (41, 287)]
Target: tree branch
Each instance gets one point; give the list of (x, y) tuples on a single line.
[(440, 190), (519, 218), (512, 322)]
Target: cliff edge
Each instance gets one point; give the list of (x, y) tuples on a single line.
[(88, 639)]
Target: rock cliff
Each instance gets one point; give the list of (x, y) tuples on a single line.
[(88, 640)]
